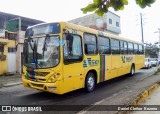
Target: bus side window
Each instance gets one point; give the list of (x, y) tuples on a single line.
[(141, 49), (115, 46), (90, 44), (72, 48), (103, 45), (135, 48), (130, 48)]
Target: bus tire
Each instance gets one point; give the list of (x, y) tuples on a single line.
[(132, 72), (90, 82)]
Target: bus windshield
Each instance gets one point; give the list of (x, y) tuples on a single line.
[(53, 28), (42, 52)]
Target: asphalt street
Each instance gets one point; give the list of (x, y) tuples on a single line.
[(18, 95)]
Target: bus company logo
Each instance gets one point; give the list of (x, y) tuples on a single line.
[(129, 59), (126, 59), (90, 62)]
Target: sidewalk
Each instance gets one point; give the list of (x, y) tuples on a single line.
[(153, 99), (10, 80)]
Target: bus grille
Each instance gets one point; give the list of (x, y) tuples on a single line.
[(38, 73), (37, 85)]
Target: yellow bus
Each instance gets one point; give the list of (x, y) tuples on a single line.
[(62, 57)]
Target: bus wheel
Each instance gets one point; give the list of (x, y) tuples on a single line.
[(132, 70), (90, 82)]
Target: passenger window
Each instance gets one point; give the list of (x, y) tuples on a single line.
[(130, 48), (141, 49), (72, 48), (135, 48), (115, 48), (90, 45), (103, 45)]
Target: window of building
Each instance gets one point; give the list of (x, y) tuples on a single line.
[(115, 47), (103, 45), (72, 48), (130, 48), (1, 48), (11, 49), (90, 45), (117, 24), (110, 21)]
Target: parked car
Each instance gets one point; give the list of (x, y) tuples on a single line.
[(154, 61), (148, 63)]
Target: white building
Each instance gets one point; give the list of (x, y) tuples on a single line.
[(109, 22)]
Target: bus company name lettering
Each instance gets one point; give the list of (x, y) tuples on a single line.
[(90, 62), (126, 59)]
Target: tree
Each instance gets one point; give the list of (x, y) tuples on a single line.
[(151, 50), (101, 6)]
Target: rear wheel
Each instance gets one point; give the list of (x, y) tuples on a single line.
[(90, 82), (132, 72), (150, 66)]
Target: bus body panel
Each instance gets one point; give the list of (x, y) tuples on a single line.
[(68, 77)]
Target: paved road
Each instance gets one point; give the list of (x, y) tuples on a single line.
[(18, 95)]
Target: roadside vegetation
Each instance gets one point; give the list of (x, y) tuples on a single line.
[(101, 6), (157, 71)]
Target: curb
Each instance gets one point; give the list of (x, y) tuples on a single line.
[(141, 97)]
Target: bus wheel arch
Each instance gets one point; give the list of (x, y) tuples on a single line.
[(90, 80)]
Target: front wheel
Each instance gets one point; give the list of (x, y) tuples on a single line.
[(90, 82)]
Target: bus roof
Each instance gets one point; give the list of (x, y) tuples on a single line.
[(93, 31), (89, 30)]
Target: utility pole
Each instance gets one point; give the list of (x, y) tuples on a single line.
[(158, 41), (159, 34), (142, 27)]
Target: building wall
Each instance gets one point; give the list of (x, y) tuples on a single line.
[(100, 23), (3, 63), (11, 23), (7, 40), (113, 27)]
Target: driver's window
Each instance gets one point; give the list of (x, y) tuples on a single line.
[(72, 48)]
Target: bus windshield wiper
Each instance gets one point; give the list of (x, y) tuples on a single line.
[(45, 44), (34, 49)]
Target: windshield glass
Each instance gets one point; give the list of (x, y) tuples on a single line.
[(42, 52), (53, 28), (154, 59)]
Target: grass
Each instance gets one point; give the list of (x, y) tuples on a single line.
[(157, 71)]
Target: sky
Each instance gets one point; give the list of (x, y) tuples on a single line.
[(58, 10)]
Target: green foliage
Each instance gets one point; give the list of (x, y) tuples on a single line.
[(144, 3), (152, 50), (157, 71), (101, 6)]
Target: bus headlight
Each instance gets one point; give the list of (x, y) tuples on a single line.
[(52, 79)]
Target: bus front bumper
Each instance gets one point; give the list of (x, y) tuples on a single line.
[(49, 87)]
